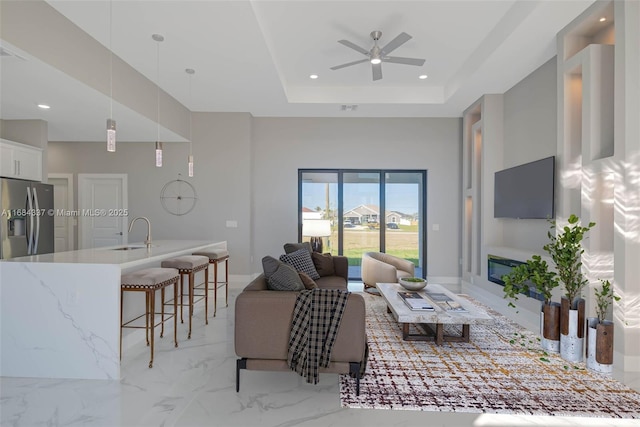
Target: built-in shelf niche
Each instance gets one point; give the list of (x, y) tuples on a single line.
[(472, 191), (592, 30)]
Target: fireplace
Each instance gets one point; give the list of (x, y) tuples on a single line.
[(499, 266)]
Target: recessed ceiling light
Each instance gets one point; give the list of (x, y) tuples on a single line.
[(44, 106), (603, 19), (313, 76), (422, 76)]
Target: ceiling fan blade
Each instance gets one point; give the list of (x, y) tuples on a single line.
[(337, 67), (354, 46), (401, 39), (401, 60), (377, 71)]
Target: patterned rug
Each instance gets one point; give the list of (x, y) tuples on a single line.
[(502, 370)]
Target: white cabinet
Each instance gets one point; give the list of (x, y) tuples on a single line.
[(20, 161)]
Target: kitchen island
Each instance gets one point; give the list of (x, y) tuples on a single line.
[(60, 312)]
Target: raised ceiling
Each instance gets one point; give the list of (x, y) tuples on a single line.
[(256, 57)]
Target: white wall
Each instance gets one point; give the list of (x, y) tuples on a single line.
[(281, 146), (246, 170), (530, 133)]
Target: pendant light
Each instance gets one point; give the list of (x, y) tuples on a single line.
[(190, 72), (111, 124), (158, 38)]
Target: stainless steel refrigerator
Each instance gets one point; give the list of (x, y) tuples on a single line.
[(26, 224)]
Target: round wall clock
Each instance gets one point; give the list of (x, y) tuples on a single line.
[(178, 197)]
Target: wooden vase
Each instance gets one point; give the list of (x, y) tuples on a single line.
[(572, 322), (599, 345), (550, 327)]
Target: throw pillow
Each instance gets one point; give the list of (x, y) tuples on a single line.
[(280, 276), (269, 266), (323, 264), (292, 247), (301, 261), (307, 281)]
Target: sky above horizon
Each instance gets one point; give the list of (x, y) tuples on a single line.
[(402, 198)]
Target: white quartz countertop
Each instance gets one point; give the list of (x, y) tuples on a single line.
[(160, 249)]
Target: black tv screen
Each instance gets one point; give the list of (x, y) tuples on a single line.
[(525, 191)]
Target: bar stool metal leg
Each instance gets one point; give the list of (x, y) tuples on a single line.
[(148, 281)]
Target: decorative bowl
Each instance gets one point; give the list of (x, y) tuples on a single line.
[(412, 283)]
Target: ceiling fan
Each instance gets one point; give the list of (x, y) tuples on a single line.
[(377, 55)]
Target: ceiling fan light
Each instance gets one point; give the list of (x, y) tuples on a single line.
[(376, 60)]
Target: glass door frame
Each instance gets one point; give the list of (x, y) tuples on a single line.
[(422, 233)]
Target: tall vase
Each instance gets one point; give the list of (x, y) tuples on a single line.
[(599, 345), (572, 323), (550, 327)]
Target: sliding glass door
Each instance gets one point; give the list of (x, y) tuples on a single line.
[(404, 225), (368, 210)]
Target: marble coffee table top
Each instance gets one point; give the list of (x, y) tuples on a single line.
[(403, 314)]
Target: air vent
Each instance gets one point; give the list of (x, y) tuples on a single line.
[(353, 107), (5, 53)]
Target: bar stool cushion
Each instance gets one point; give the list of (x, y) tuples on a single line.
[(214, 254), (149, 277), (186, 262)]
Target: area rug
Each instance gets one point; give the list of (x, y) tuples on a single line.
[(502, 370)]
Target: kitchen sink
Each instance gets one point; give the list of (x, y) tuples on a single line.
[(129, 248)]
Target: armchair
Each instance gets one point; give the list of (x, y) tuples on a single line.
[(378, 267)]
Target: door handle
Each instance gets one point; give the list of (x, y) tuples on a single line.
[(37, 232), (30, 210), (119, 234)]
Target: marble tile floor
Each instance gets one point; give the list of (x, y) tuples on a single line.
[(194, 385)]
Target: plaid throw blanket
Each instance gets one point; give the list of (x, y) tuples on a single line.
[(316, 319)]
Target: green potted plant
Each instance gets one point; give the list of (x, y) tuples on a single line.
[(600, 331), (518, 281), (565, 249)]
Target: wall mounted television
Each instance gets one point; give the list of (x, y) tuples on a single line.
[(525, 191)]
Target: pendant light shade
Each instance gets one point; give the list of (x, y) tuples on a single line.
[(191, 165), (158, 154), (111, 135)]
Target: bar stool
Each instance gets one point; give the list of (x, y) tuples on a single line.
[(149, 280), (216, 256), (190, 265)]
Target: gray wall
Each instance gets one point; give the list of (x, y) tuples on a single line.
[(283, 145), (246, 171), (221, 147), (530, 133)]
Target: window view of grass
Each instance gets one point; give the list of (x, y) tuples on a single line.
[(402, 243)]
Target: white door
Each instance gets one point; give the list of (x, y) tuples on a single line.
[(102, 210), (64, 221)]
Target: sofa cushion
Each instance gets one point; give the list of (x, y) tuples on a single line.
[(292, 247), (332, 282), (302, 262), (281, 276), (307, 281), (323, 264)]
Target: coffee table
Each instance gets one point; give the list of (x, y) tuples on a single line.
[(438, 317)]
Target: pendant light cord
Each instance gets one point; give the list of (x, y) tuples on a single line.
[(158, 88), (110, 60), (190, 119)]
